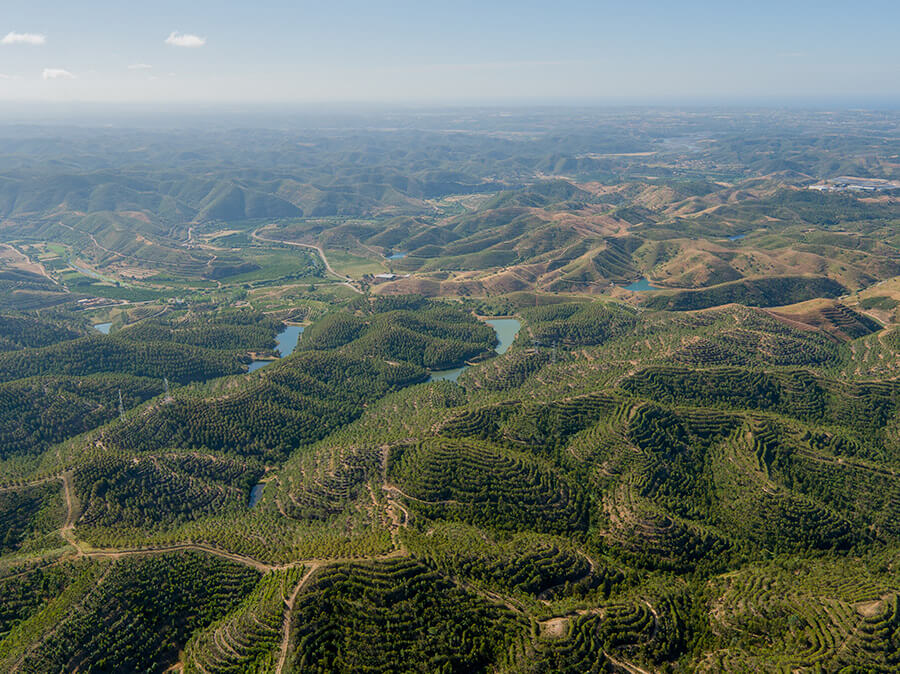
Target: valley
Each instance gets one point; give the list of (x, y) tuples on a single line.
[(552, 391)]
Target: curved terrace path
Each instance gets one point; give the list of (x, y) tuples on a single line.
[(288, 614)]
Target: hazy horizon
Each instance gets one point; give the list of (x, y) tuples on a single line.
[(386, 115)]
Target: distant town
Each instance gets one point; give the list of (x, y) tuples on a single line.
[(852, 184)]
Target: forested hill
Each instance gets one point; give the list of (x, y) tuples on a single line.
[(668, 491)]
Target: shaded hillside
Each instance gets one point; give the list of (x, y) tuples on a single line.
[(766, 292)]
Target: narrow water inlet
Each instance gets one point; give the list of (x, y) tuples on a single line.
[(506, 330), (285, 343)]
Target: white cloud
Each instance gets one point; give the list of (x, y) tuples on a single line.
[(57, 74), (139, 66), (185, 40), (24, 38)]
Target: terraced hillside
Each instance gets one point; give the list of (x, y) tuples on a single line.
[(623, 489), (688, 459)]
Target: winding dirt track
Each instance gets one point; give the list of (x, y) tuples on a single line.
[(67, 531), (34, 483), (68, 528), (37, 265), (397, 513), (626, 666), (118, 553), (288, 613)]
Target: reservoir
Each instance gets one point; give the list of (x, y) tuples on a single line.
[(285, 343), (506, 329), (256, 493), (641, 285), (397, 256), (448, 375), (103, 327), (286, 340)]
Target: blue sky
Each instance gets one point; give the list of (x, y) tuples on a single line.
[(453, 51)]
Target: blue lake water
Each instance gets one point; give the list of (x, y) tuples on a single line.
[(103, 327), (448, 375), (285, 343), (255, 494), (640, 286), (286, 340), (506, 329), (736, 237), (397, 256)]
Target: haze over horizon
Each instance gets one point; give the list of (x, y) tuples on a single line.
[(277, 51)]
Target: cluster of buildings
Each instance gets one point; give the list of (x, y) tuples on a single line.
[(852, 184), (381, 278)]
